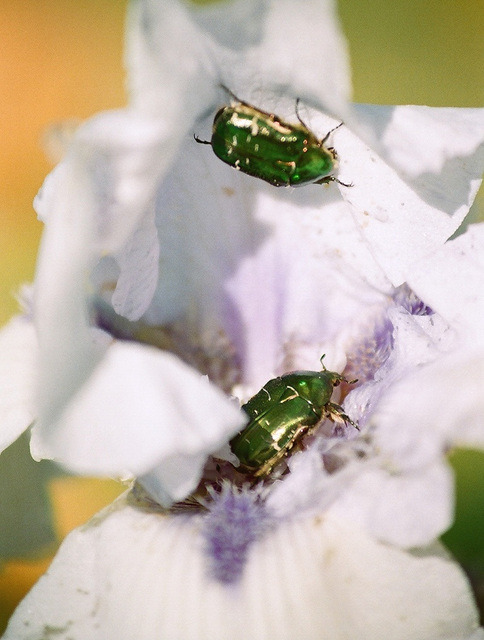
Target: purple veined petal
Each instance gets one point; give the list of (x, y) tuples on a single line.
[(398, 461), (89, 589), (446, 395)]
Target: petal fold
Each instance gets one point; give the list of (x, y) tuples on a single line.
[(139, 407)]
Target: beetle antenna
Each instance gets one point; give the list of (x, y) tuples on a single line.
[(331, 131), (298, 116), (321, 361), (232, 94)]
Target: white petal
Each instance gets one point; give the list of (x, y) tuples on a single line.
[(256, 48), (115, 162), (67, 253), (161, 39), (446, 399), (302, 53), (407, 509), (91, 203), (284, 267), (138, 277), (428, 140), (451, 281), (400, 222), (131, 573), (417, 341), (441, 404), (18, 377), (139, 407), (175, 478)]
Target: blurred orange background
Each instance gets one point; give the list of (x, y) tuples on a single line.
[(59, 59), (62, 59)]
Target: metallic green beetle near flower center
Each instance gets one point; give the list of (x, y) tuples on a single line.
[(281, 413), (264, 146)]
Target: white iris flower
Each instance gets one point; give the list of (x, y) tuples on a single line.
[(168, 283)]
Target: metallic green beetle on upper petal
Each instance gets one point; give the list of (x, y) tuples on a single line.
[(264, 146), (281, 413)]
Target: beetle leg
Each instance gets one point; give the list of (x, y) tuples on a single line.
[(197, 139), (328, 179), (325, 180), (337, 414), (343, 184)]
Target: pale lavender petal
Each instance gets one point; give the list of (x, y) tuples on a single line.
[(274, 270)]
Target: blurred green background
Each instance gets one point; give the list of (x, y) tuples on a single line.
[(62, 59)]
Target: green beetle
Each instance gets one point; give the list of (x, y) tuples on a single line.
[(281, 413), (264, 146)]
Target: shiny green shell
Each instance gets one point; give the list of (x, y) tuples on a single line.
[(280, 414), (264, 146)]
